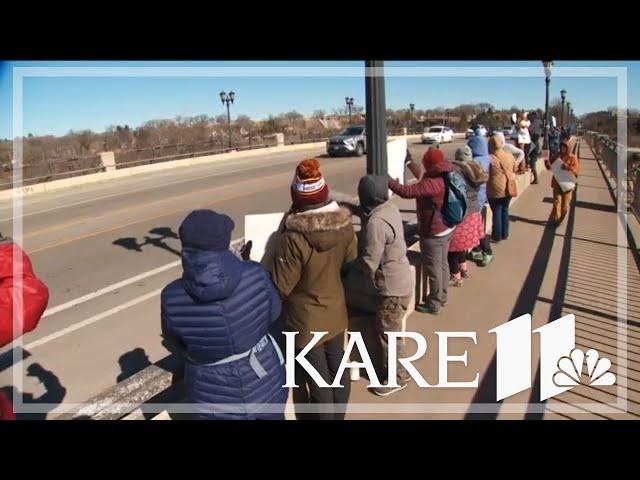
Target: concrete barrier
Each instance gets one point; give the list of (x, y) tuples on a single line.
[(108, 160), (155, 167)]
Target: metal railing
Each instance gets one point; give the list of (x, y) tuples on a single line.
[(56, 169), (606, 151)]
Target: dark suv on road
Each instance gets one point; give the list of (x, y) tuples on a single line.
[(351, 141)]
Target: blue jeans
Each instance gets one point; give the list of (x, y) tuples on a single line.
[(500, 211)]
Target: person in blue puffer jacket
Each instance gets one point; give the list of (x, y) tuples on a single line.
[(481, 254), (218, 316)]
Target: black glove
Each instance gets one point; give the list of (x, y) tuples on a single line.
[(408, 158), (245, 252)]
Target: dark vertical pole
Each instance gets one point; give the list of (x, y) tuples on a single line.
[(376, 118), (229, 123), (562, 115), (547, 80)]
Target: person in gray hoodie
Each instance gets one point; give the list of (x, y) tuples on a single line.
[(380, 276)]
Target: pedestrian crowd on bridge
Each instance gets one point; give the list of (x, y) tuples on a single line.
[(224, 313)]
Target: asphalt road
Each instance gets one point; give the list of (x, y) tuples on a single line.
[(106, 250)]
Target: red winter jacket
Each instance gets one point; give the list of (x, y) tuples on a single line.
[(35, 294), (429, 194), (6, 408)]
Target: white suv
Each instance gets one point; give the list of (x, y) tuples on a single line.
[(437, 134)]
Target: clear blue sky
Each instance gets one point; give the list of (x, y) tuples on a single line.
[(56, 105)]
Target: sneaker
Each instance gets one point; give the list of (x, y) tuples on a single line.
[(455, 282), (465, 273), (385, 391), (474, 256), (423, 308), (486, 260)]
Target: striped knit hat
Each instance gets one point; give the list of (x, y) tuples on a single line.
[(309, 187)]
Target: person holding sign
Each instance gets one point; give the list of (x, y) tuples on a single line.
[(379, 280), (435, 234), (317, 241), (217, 317), (565, 176)]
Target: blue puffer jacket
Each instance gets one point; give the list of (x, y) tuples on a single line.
[(480, 153), (223, 306)]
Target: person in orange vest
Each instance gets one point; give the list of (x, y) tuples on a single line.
[(35, 297)]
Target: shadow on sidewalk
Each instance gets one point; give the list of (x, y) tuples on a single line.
[(54, 393), (525, 303), (132, 362)]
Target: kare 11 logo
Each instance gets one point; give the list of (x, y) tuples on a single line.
[(562, 365)]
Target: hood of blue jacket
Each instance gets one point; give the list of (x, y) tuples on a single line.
[(210, 275), (479, 146)]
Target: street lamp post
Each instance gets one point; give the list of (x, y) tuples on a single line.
[(569, 116), (376, 130), (227, 98), (563, 95), (547, 80), (411, 109), (349, 102)]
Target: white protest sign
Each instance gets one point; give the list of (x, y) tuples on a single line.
[(262, 230), (565, 178), (396, 154)]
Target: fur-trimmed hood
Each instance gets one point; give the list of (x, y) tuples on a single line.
[(323, 230), (472, 171)]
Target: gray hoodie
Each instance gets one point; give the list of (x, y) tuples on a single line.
[(383, 250)]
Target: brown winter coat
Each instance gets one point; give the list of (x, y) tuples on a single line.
[(306, 272), (503, 167)]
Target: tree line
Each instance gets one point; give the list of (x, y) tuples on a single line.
[(204, 128)]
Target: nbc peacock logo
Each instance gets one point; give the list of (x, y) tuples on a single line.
[(580, 368), (562, 365)]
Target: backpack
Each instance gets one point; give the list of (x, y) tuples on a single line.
[(454, 207)]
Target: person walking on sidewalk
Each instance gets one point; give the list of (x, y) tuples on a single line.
[(482, 254), (562, 200), (554, 143), (501, 175), (382, 267), (218, 316), (535, 130), (468, 233), (524, 137), (435, 235), (317, 241)]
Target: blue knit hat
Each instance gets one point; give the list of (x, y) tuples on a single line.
[(206, 230)]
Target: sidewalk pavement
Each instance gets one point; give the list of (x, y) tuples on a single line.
[(549, 273)]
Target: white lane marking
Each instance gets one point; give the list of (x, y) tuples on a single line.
[(152, 187), (122, 283), (90, 320), (110, 288)]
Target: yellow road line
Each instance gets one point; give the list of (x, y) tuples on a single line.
[(261, 182)]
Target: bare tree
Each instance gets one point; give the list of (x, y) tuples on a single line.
[(244, 122), (293, 117)]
